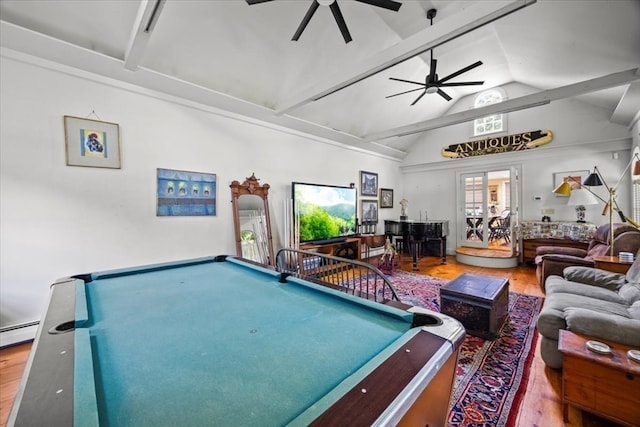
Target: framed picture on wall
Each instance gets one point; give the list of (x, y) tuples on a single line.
[(369, 211), (184, 193), (368, 184), (574, 178), (386, 198), (92, 143)]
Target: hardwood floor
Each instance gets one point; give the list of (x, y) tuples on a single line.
[(12, 362), (541, 406)]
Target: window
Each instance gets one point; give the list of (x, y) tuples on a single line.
[(489, 124)]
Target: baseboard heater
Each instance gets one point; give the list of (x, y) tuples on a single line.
[(15, 334)]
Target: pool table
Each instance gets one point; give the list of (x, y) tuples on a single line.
[(222, 341)]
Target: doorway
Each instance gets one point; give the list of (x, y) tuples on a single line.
[(488, 206)]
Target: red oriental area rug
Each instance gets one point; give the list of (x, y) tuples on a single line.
[(491, 376)]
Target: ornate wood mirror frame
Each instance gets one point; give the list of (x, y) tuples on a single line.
[(251, 187)]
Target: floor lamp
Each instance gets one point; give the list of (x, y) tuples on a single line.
[(595, 179)]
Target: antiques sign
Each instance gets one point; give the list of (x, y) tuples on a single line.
[(500, 144)]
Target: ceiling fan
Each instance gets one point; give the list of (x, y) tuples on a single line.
[(337, 14), (432, 83)]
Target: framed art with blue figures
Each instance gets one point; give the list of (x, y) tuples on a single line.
[(92, 143), (184, 193), (368, 184)]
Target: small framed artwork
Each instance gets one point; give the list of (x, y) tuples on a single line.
[(369, 211), (184, 193), (386, 198), (368, 184), (92, 143), (574, 178)]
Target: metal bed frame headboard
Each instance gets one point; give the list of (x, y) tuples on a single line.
[(351, 276)]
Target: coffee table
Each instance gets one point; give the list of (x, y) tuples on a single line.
[(603, 384), (480, 303)]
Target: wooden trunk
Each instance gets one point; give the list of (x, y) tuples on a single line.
[(480, 303)]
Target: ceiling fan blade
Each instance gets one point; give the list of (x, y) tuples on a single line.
[(402, 93), (418, 98), (386, 4), (340, 21), (407, 81), (250, 2), (461, 71), (444, 95), (432, 72), (459, 84), (312, 9)]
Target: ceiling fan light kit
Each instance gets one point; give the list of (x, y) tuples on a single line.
[(432, 83), (337, 14)]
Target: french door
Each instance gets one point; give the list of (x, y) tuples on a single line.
[(488, 208)]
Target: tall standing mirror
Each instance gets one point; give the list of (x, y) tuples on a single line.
[(251, 220)]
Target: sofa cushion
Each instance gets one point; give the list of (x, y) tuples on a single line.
[(615, 328), (633, 274), (561, 250), (557, 308), (558, 285), (630, 292), (595, 277), (634, 311)]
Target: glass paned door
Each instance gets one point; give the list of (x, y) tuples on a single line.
[(474, 192), (488, 209)]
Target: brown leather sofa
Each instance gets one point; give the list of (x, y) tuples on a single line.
[(552, 260)]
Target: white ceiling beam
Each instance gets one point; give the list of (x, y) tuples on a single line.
[(469, 19), (627, 108), (148, 14), (522, 103)]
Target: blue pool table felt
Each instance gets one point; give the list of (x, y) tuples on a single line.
[(219, 339)]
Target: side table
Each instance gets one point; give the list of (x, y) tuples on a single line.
[(604, 384), (611, 263)]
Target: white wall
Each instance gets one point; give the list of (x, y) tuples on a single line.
[(583, 138), (58, 220)]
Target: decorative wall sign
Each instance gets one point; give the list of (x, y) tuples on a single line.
[(500, 144), (92, 143), (183, 193)]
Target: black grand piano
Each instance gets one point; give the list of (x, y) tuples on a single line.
[(415, 233)]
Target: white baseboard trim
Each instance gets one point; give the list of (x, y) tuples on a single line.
[(18, 334)]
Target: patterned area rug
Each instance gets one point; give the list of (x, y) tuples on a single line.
[(491, 376)]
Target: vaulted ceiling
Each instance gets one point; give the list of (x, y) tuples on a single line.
[(239, 57)]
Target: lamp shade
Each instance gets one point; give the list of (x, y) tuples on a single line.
[(636, 168), (593, 180), (581, 197), (563, 189)]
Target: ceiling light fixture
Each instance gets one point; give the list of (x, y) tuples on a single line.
[(433, 83), (337, 14)]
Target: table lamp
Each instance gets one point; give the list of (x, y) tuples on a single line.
[(579, 198)]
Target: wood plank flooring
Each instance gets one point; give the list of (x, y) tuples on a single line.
[(541, 406)]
